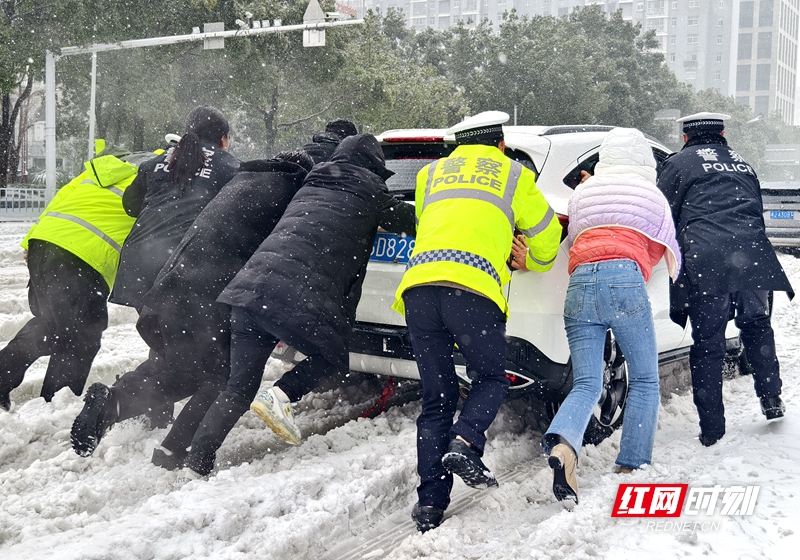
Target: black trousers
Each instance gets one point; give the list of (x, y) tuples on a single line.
[(251, 346), (68, 300), (438, 318), (709, 316), (184, 370)]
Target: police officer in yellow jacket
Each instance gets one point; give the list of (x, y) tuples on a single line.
[(72, 253), (468, 206)]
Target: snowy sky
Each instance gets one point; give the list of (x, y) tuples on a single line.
[(347, 490)]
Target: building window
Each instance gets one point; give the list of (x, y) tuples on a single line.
[(764, 45), (719, 57), (563, 12), (672, 57), (719, 39), (718, 75), (745, 46), (640, 6), (692, 57), (721, 4), (720, 22), (743, 78), (675, 5), (690, 74), (761, 106), (743, 100), (693, 20), (673, 22), (765, 10), (745, 14), (694, 3), (672, 39), (762, 76), (691, 39)]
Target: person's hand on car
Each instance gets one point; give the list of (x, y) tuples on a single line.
[(519, 252)]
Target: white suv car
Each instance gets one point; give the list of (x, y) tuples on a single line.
[(538, 359)]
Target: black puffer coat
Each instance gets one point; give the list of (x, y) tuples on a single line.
[(716, 203), (306, 277), (218, 244), (163, 215)]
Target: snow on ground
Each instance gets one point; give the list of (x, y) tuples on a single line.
[(269, 500)]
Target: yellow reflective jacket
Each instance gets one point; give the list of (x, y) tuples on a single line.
[(467, 207), (86, 216)]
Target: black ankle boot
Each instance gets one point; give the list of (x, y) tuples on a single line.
[(426, 517), (464, 461), (98, 415), (772, 407)]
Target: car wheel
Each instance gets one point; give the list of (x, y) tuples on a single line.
[(609, 412)]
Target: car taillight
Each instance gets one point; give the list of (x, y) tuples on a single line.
[(517, 380), (429, 139), (563, 219)]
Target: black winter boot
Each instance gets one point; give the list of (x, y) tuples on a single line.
[(98, 415), (166, 459), (464, 461), (772, 407), (426, 517)]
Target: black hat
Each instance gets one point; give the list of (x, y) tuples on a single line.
[(341, 128)]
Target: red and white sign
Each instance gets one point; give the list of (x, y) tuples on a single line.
[(649, 500)]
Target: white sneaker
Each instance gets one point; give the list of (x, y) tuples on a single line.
[(186, 475), (277, 413)]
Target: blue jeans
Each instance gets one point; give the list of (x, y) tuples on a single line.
[(609, 295)]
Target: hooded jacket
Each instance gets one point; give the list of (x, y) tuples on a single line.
[(163, 215), (306, 277), (715, 197), (220, 241), (86, 216), (623, 193)]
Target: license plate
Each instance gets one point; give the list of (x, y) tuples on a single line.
[(389, 247), (781, 214)]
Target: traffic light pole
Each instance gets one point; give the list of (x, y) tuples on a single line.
[(50, 76)]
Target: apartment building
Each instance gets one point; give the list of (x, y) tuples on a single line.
[(743, 49)]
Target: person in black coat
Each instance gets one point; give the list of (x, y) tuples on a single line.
[(303, 283), (187, 330), (729, 265), (165, 198), (324, 143)]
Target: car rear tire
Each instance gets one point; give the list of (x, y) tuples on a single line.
[(609, 412)]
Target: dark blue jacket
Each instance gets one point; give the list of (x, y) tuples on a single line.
[(715, 198)]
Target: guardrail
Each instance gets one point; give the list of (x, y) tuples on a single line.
[(21, 202)]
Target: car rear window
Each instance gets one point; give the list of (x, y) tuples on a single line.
[(407, 159)]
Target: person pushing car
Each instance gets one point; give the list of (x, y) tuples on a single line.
[(467, 206)]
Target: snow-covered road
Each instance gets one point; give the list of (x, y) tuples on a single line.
[(352, 478)]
